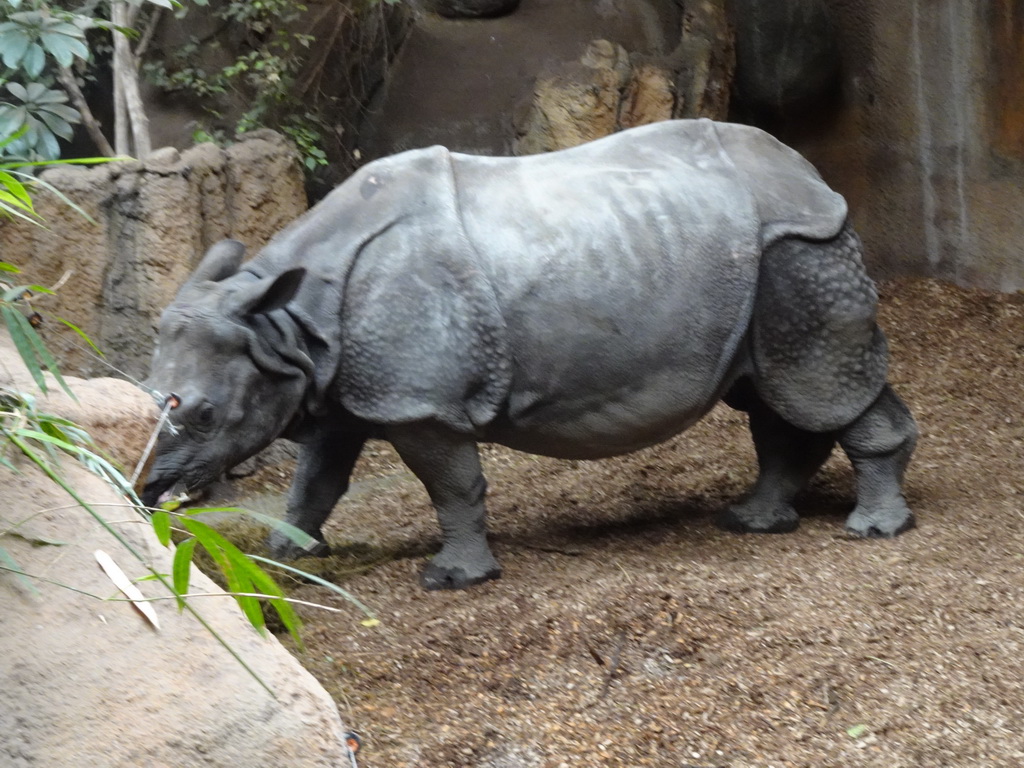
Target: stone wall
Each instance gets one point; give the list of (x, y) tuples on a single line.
[(926, 136), (151, 223)]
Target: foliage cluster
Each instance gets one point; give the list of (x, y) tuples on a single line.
[(40, 42)]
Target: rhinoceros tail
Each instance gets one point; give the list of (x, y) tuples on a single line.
[(819, 355)]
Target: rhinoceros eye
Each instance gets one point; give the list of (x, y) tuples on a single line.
[(205, 415)]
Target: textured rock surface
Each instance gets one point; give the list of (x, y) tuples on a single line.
[(787, 51), (153, 221), (88, 683), (471, 8)]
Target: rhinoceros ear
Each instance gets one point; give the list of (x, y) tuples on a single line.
[(220, 261), (268, 294)]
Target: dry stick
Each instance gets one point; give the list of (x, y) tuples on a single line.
[(92, 125), (614, 667), (148, 33)]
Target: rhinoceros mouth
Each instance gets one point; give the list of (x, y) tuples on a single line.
[(156, 490)]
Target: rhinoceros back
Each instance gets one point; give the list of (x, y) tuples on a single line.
[(626, 270)]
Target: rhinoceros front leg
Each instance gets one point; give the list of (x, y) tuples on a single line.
[(879, 444), (787, 458), (321, 478), (448, 465)]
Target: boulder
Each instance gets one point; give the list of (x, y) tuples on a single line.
[(92, 683)]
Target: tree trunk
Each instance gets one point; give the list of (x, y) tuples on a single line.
[(92, 125), (126, 79)]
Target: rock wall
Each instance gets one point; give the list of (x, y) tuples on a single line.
[(925, 136), (151, 223)]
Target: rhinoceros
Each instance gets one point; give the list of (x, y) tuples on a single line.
[(578, 304)]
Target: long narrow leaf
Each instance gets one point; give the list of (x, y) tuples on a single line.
[(181, 568), (162, 527), (265, 584), (82, 335), (123, 583), (237, 578), (322, 582), (23, 345), (42, 352), (297, 535)]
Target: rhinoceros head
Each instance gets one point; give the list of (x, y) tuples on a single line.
[(229, 356)]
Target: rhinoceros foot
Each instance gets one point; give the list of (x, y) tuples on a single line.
[(881, 522), (282, 548), (757, 516), (438, 577)]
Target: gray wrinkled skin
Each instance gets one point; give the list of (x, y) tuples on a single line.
[(579, 304)]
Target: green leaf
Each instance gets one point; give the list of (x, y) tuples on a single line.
[(35, 91), (296, 535), (857, 731), (38, 541), (63, 111), (15, 188), (181, 569), (12, 124), (82, 334), (14, 43), (44, 355), (162, 527), (14, 321), (226, 555), (265, 584), (5, 267), (57, 125), (34, 60), (18, 90), (63, 47), (318, 580)]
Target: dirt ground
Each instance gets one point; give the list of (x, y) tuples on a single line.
[(628, 631)]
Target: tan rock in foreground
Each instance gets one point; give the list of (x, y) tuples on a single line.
[(91, 683)]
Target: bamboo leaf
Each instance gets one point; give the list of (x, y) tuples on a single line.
[(44, 354), (162, 526), (237, 578), (297, 535), (36, 540), (22, 344), (323, 583), (181, 569), (82, 334), (123, 583), (265, 584)]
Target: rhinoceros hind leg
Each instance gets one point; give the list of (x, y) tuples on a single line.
[(819, 356), (787, 458), (448, 465), (879, 445)]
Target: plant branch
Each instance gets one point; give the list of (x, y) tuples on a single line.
[(92, 125)]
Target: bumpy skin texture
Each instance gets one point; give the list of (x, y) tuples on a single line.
[(579, 304)]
